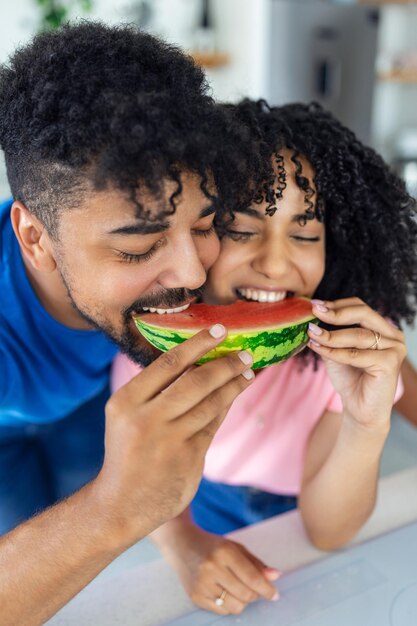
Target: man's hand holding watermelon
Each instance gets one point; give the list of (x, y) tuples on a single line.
[(165, 419)]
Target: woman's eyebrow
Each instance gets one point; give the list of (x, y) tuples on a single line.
[(252, 213), (303, 217), (208, 210)]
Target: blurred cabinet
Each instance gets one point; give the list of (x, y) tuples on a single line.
[(327, 53)]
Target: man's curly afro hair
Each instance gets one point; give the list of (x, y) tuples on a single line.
[(370, 220), (96, 105)]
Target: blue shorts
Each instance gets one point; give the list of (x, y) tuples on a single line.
[(43, 463), (220, 508)]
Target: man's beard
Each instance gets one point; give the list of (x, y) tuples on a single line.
[(129, 341)]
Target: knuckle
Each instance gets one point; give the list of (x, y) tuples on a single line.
[(237, 607), (400, 339), (168, 360), (216, 403), (365, 335), (112, 405), (207, 568), (233, 362), (247, 595), (197, 379), (259, 587), (354, 353), (199, 414)]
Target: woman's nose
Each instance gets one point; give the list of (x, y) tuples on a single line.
[(272, 260)]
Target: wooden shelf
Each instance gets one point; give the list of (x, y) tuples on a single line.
[(406, 77), (210, 59)]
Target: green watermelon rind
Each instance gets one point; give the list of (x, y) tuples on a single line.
[(267, 347)]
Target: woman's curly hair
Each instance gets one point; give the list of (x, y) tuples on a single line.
[(370, 219), (106, 105)]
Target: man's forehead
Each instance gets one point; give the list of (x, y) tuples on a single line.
[(116, 213)]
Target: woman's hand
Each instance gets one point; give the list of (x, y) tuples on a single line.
[(212, 567), (363, 362)]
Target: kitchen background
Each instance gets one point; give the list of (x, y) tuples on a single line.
[(359, 59)]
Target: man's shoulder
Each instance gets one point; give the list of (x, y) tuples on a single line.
[(5, 226), (5, 206)]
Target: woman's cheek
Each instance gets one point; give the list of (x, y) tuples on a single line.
[(317, 269), (211, 252)]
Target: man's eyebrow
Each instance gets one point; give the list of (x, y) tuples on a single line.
[(149, 228), (140, 228)]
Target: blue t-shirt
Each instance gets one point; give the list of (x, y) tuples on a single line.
[(47, 370)]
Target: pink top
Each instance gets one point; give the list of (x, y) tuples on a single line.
[(263, 439)]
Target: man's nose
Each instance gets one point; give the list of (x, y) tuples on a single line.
[(184, 268)]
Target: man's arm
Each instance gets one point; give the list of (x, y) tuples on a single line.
[(47, 560), (158, 429)]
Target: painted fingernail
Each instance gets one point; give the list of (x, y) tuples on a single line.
[(314, 328), (218, 330), (314, 343), (322, 307), (315, 301), (275, 597), (245, 357), (248, 374)]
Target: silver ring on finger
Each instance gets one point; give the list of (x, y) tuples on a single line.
[(220, 600), (378, 337)]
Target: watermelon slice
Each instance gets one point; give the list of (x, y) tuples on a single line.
[(271, 331)]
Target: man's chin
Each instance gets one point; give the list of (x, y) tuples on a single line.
[(133, 345), (143, 356)]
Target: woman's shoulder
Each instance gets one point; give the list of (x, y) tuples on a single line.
[(123, 369)]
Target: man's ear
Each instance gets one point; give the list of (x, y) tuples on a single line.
[(33, 238)]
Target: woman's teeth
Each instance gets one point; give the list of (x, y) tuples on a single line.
[(162, 311), (262, 296)]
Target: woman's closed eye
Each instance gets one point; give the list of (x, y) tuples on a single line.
[(237, 235), (303, 238)]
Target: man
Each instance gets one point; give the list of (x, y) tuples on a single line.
[(111, 147)]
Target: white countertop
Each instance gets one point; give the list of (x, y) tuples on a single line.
[(150, 594)]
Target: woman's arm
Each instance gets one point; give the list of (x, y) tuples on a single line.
[(209, 564), (363, 359), (340, 479)]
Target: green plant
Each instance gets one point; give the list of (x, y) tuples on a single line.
[(56, 12)]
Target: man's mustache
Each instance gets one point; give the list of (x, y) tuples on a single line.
[(166, 299)]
